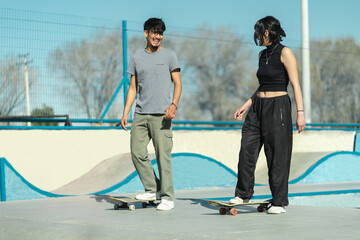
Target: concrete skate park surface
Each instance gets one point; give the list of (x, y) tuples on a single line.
[(84, 162), (80, 162), (92, 217)]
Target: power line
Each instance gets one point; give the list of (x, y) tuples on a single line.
[(172, 34)]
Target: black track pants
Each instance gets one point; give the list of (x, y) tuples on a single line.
[(267, 123)]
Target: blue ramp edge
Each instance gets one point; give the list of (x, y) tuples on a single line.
[(357, 143), (13, 186), (190, 171), (336, 167)]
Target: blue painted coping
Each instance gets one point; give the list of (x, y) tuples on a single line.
[(16, 187), (2, 180), (327, 169), (195, 171), (357, 143)]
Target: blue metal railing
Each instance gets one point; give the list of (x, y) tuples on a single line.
[(177, 125)]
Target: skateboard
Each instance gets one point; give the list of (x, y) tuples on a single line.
[(129, 203), (230, 207)]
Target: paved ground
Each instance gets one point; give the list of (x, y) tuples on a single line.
[(92, 217)]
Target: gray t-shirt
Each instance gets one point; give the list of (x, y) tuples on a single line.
[(153, 75)]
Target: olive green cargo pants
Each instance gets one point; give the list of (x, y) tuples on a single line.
[(155, 127)]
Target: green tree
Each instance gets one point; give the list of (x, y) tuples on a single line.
[(43, 112)]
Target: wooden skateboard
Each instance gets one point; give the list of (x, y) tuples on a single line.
[(129, 203), (230, 207)]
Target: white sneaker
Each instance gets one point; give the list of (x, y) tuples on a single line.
[(146, 196), (276, 210), (165, 205), (237, 200)]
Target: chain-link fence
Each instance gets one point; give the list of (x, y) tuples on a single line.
[(73, 65), (63, 58)]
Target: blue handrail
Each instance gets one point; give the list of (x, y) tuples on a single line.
[(177, 125)]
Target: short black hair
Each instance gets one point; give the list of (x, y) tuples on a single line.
[(276, 33), (155, 25)]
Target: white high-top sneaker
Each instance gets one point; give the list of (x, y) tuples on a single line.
[(276, 210), (165, 205), (237, 200), (146, 196)]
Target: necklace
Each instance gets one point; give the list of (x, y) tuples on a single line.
[(267, 59)]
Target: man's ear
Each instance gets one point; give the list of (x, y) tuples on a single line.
[(146, 34)]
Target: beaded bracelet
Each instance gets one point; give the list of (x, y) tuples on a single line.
[(174, 105)]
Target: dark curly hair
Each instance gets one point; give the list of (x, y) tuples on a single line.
[(155, 25)]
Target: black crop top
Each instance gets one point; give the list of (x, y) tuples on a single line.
[(272, 76)]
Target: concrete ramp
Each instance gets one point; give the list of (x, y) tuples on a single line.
[(104, 175), (117, 175)]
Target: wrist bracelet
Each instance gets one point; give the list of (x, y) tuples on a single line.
[(300, 110), (174, 105)]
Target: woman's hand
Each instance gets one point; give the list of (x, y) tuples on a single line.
[(238, 115), (300, 122)]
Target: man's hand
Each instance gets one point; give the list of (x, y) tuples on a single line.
[(170, 112), (124, 122)]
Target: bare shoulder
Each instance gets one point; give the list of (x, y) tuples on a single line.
[(286, 51), (287, 55)]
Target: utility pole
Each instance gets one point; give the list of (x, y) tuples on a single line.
[(26, 72), (306, 81)]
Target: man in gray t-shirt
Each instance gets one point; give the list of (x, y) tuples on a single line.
[(153, 70)]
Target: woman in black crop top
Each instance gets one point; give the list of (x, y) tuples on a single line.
[(268, 122)]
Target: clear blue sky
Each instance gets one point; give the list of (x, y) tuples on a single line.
[(327, 18)]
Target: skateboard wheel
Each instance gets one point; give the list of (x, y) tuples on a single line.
[(152, 203), (233, 211), (260, 208), (132, 207), (144, 204), (116, 206), (222, 211)]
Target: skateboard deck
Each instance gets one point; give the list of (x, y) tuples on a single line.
[(230, 207), (129, 203)]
